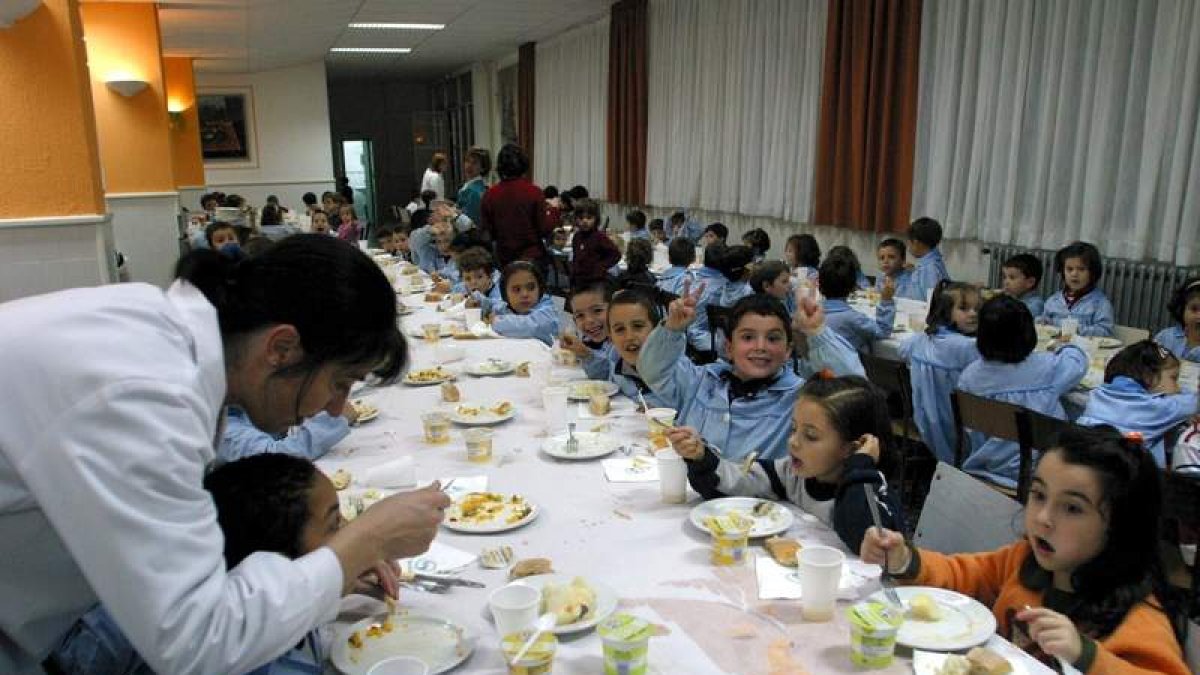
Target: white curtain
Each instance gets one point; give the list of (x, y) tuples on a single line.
[(570, 109), (1045, 121), (734, 92)]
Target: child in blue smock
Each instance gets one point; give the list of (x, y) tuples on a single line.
[(742, 405), (527, 312), (1022, 274), (735, 265), (838, 274), (1012, 372), (1141, 394), (680, 225), (936, 358), (1079, 269), (759, 242), (924, 236), (631, 315), (838, 438), (802, 252), (891, 256), (310, 440), (589, 342), (710, 279), (478, 274), (431, 247), (681, 254), (860, 280), (773, 278), (1183, 339)]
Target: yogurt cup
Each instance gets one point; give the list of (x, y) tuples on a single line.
[(873, 629), (626, 641)]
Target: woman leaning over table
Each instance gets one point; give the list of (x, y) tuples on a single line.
[(103, 455)]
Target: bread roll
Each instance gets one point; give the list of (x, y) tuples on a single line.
[(783, 550), (450, 393), (987, 662), (599, 404), (530, 567)]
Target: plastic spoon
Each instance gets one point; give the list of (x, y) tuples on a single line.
[(545, 623)]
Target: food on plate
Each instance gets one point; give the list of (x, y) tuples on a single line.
[(484, 508), (530, 567), (450, 393), (362, 408), (502, 408), (783, 550), (588, 389), (569, 603), (921, 607), (427, 375), (764, 509), (355, 640), (470, 411), (433, 297), (731, 523), (987, 662), (599, 404), (409, 269), (340, 479), (523, 369)]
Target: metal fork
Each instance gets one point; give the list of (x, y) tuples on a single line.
[(572, 446), (889, 588)]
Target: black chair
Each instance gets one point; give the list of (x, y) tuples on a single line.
[(915, 463), (719, 319), (997, 419), (1181, 524)]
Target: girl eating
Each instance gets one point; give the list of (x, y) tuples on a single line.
[(1183, 339), (1079, 268), (526, 311), (1083, 584)]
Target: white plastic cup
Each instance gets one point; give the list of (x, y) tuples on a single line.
[(473, 315), (820, 572), (672, 477), (515, 607), (1069, 328), (404, 283), (399, 665), (554, 400)]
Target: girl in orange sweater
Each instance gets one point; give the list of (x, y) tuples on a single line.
[(1083, 586)]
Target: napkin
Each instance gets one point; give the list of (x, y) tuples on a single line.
[(638, 469), (393, 473), (776, 582), (439, 559)]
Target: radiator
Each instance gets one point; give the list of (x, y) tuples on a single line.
[(1139, 291)]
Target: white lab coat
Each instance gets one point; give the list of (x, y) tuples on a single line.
[(433, 180), (114, 398)]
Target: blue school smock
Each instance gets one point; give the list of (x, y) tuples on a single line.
[(934, 364), (426, 253), (672, 278), (598, 364), (310, 440), (862, 281), (690, 230), (541, 323), (700, 394), (732, 292), (627, 378), (714, 283), (1174, 340), (1125, 404), (928, 273), (493, 293), (1034, 302), (638, 234), (903, 280), (1093, 311), (1036, 383), (857, 328)]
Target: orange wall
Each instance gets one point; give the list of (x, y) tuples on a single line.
[(50, 163), (185, 129), (135, 144)]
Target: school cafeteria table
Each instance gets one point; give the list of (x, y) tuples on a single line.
[(620, 534)]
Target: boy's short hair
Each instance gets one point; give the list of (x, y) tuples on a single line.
[(680, 252), (639, 253), (256, 245), (838, 276), (1089, 254), (602, 287), (636, 218), (718, 229), (894, 243), (216, 226), (262, 504), (465, 240), (767, 273), (309, 199), (678, 217), (1006, 332), (713, 254), (758, 240), (735, 260), (476, 258), (550, 192), (1026, 264), (656, 225), (927, 231), (587, 207)]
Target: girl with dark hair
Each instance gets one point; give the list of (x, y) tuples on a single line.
[(759, 243), (1183, 339), (1079, 268), (1011, 371), (639, 254), (735, 265), (742, 405), (802, 251), (1141, 394), (1084, 584), (840, 428), (527, 312), (513, 215)]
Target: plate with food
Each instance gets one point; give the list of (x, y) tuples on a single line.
[(577, 603), (479, 415), (591, 445), (440, 643), (364, 411), (941, 620), (978, 661), (489, 512), (352, 502), (491, 368), (427, 376), (417, 331), (769, 517), (582, 390)]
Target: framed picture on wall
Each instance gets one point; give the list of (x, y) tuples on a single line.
[(227, 135)]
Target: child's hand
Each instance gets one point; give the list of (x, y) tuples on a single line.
[(350, 412), (682, 311), (889, 289), (687, 442), (867, 444), (442, 286), (573, 344), (880, 545), (382, 580), (1054, 633), (809, 318)]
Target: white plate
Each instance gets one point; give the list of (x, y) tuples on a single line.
[(416, 332), (491, 368), (777, 522), (498, 524), (591, 445), (366, 411), (927, 663), (447, 376), (1107, 342), (441, 644), (582, 390), (484, 418), (606, 600), (965, 622)]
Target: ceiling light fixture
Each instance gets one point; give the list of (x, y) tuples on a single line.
[(400, 26), (371, 50)]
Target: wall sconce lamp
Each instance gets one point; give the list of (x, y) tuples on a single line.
[(175, 110), (127, 87)]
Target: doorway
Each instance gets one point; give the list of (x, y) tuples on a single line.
[(358, 165)]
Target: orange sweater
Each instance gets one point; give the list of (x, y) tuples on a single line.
[(1143, 643)]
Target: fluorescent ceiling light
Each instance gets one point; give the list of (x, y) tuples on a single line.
[(372, 50), (400, 26)]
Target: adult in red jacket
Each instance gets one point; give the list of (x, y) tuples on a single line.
[(513, 212)]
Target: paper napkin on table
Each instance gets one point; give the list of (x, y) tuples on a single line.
[(395, 473), (638, 469), (439, 559), (776, 582)]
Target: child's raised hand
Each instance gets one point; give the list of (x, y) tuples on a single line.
[(1054, 633), (889, 289), (686, 441), (572, 343), (879, 545), (682, 311), (809, 318), (867, 444)]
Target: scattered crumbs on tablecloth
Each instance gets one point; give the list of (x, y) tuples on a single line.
[(742, 631), (780, 661), (621, 514)]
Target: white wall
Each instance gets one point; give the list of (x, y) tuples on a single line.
[(291, 111), (40, 255), (145, 230)]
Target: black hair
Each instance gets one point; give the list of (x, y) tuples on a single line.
[(1089, 254), (483, 158), (215, 226), (270, 215), (1182, 295), (838, 277), (602, 287), (636, 218), (550, 192), (758, 240), (476, 258), (209, 197), (808, 251), (234, 201), (466, 240), (766, 274), (637, 297), (855, 407), (639, 253), (845, 252), (927, 231), (735, 262), (521, 266), (427, 196), (308, 198), (256, 245), (1141, 362), (680, 252), (656, 224), (272, 199), (327, 195), (1006, 331), (1026, 264), (946, 297), (578, 192), (713, 253), (761, 305), (262, 504), (585, 206), (678, 217), (336, 298), (892, 242), (718, 229), (420, 218)]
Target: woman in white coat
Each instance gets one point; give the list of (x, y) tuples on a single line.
[(117, 398), (434, 178)]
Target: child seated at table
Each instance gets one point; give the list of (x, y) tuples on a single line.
[(319, 223), (348, 226), (223, 237), (1022, 274), (837, 279), (711, 281), (1083, 583), (477, 274), (635, 225), (773, 278), (759, 242), (860, 280), (526, 312), (735, 266), (681, 254), (639, 253), (802, 251), (658, 231), (742, 405), (1141, 394), (431, 246), (839, 433), (1183, 339), (936, 357), (1079, 268), (589, 308), (1012, 371), (631, 315), (310, 439), (715, 233), (890, 255), (924, 236)]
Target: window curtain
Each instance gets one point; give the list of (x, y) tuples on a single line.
[(571, 104), (732, 113), (628, 82), (526, 95), (1045, 122), (867, 129)]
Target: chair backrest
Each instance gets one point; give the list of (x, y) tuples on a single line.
[(1130, 334), (963, 515), (998, 419), (1181, 527), (1044, 430), (718, 321), (891, 376)]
